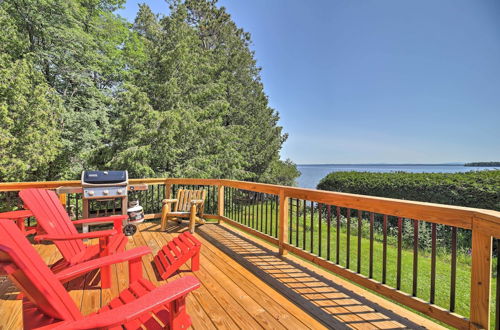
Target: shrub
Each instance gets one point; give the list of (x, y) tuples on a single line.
[(480, 189)]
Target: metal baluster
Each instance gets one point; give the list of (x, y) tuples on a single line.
[(256, 212), (268, 215), (211, 199), (250, 210), (247, 209), (230, 202), (433, 263), (304, 214), (271, 213), (348, 255), (243, 207), (68, 204), (290, 207), (319, 229), (453, 279), (296, 221), (226, 198), (233, 208), (337, 260), (77, 202), (360, 229), (384, 250), (150, 198), (276, 197), (370, 271), (240, 207), (264, 218), (400, 247), (312, 227), (328, 230), (258, 201), (415, 257)]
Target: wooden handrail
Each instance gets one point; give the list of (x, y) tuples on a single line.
[(452, 215), (484, 224)]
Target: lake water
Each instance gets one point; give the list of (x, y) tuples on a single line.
[(312, 174)]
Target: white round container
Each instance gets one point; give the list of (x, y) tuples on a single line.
[(135, 214)]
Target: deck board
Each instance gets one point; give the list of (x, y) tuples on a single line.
[(244, 284)]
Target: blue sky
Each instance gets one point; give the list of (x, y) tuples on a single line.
[(413, 81)]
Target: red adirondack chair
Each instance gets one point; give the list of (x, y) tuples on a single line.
[(47, 304), (55, 222), (19, 216)]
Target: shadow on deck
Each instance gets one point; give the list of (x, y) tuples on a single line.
[(324, 298)]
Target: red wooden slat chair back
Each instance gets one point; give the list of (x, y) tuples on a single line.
[(26, 269), (58, 227), (52, 217)]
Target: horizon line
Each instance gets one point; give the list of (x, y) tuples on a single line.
[(395, 164)]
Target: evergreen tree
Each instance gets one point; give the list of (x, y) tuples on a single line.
[(202, 78), (178, 95), (30, 123)]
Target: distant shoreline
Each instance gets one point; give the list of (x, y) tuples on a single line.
[(384, 164), (483, 164)]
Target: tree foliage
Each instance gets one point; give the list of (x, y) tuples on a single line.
[(30, 115), (177, 95)]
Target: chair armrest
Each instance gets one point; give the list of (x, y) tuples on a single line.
[(131, 311), (85, 267), (169, 201), (19, 214), (93, 234), (197, 201)]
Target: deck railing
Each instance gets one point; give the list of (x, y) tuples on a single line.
[(425, 256)]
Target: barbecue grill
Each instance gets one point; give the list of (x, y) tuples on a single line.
[(104, 184), (104, 188)]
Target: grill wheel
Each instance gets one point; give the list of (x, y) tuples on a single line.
[(129, 229)]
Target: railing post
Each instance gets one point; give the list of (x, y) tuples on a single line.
[(283, 222), (220, 201), (480, 277), (168, 190), (62, 198)]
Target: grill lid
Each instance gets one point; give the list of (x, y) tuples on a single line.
[(104, 177)]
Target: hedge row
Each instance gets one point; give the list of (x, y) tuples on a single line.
[(479, 189)]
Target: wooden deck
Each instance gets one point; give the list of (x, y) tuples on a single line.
[(245, 284)]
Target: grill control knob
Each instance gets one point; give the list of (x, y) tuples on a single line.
[(90, 192), (105, 192)]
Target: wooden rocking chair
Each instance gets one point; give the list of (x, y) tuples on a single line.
[(188, 204)]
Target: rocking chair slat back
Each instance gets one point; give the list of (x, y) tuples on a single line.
[(184, 198), (20, 261)]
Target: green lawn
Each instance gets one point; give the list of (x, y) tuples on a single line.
[(251, 215)]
